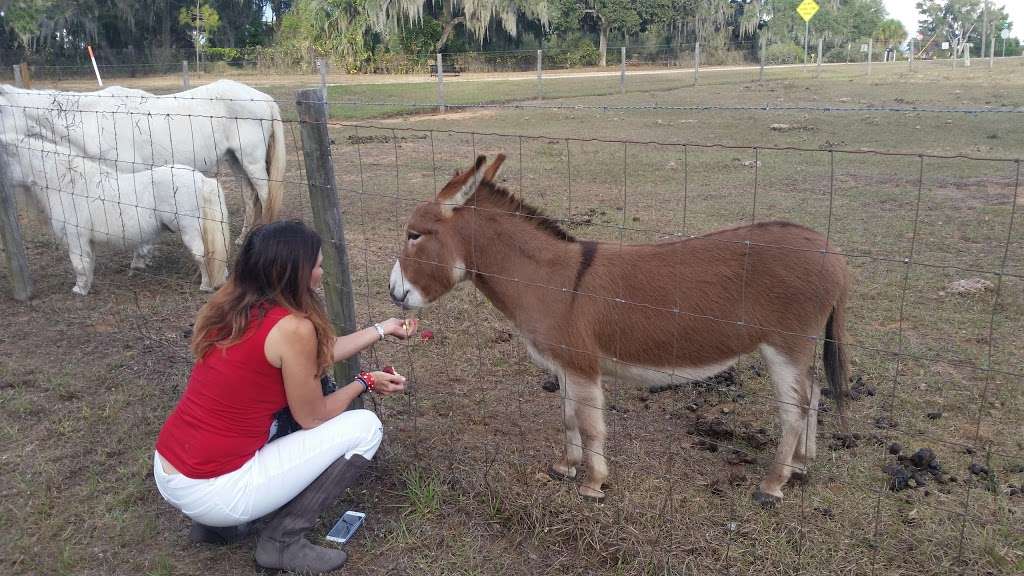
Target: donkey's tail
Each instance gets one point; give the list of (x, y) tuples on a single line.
[(213, 225), (276, 157), (837, 363)]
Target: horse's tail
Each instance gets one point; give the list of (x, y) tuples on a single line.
[(836, 361), (276, 157), (213, 226)]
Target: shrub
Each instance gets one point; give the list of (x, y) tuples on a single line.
[(785, 53)]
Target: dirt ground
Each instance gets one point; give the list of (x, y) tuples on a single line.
[(459, 486)]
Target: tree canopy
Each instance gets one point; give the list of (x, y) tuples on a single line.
[(362, 33)]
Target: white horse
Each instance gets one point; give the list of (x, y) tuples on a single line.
[(129, 130), (87, 202)]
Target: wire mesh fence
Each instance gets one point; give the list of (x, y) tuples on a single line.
[(929, 469), (533, 73), (930, 376)]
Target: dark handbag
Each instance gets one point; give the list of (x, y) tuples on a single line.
[(284, 423)]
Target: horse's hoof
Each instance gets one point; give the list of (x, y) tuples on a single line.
[(799, 479), (556, 475), (80, 291), (591, 495), (766, 500)]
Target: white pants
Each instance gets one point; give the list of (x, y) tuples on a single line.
[(274, 475)]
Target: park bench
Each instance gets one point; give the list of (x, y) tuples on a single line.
[(449, 69)]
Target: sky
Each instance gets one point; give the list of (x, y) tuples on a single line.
[(904, 11)]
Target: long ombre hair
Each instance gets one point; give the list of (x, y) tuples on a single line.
[(273, 267)]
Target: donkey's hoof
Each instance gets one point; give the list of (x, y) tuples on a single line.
[(561, 476), (799, 479), (595, 496), (766, 500)]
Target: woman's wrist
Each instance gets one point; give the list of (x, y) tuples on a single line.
[(381, 333), (367, 380)]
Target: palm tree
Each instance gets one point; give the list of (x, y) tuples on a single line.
[(891, 33)]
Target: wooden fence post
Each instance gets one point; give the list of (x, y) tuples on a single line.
[(622, 70), (540, 74), (440, 84), (10, 235), (26, 75), (323, 200), (821, 47), (764, 49), (696, 62)]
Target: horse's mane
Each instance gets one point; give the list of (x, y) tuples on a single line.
[(508, 202)]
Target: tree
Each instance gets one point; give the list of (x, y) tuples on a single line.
[(25, 18), (478, 15), (608, 16), (850, 20), (891, 32), (121, 31), (957, 21), (204, 21)]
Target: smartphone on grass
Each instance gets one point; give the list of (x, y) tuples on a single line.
[(346, 526)]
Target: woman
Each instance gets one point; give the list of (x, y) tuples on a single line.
[(262, 343)]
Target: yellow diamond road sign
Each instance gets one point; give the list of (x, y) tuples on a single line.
[(807, 9)]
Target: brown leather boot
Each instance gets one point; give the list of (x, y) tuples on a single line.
[(282, 544)]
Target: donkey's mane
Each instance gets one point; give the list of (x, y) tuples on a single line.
[(513, 205)]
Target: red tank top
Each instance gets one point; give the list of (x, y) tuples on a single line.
[(225, 414)]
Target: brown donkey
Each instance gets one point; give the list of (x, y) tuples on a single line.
[(671, 311)]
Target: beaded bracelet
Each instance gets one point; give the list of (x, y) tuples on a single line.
[(367, 380)]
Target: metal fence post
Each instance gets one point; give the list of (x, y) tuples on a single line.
[(817, 73), (696, 62), (992, 53), (622, 71), (10, 235), (910, 57), (440, 84), (871, 45), (184, 75), (967, 55), (326, 209), (764, 49), (540, 74), (17, 76)]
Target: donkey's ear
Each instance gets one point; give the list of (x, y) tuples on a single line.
[(492, 170), (461, 187)]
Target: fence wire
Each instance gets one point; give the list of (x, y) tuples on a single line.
[(684, 455)]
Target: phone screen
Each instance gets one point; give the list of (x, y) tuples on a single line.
[(346, 526)]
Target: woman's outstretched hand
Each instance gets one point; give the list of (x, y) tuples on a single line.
[(386, 383), (400, 328)]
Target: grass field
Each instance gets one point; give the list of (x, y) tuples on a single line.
[(916, 199)]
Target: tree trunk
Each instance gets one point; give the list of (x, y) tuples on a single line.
[(447, 31), (166, 32), (604, 44)]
